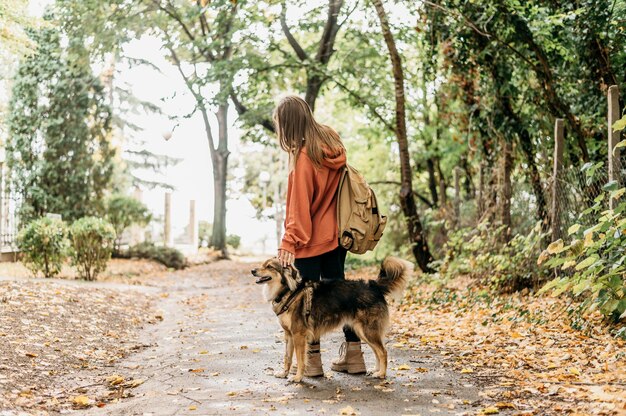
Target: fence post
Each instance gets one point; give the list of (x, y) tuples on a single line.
[(167, 223), (613, 116), (193, 234), (556, 173)]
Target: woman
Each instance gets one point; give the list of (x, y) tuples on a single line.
[(316, 159)]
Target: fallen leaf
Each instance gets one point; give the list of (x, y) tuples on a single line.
[(467, 371), (492, 410), (504, 405), (82, 401), (192, 407), (114, 380), (135, 383), (403, 367), (197, 370)]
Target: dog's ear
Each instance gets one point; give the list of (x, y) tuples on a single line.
[(292, 277)]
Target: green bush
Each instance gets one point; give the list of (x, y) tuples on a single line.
[(167, 256), (92, 244), (592, 262), (481, 253), (123, 211), (44, 244), (233, 240)]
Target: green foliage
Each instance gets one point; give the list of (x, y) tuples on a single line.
[(44, 245), (13, 20), (504, 266), (205, 229), (57, 149), (123, 211), (92, 244), (591, 264), (167, 256), (233, 241)]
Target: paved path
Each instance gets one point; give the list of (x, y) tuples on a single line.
[(218, 344)]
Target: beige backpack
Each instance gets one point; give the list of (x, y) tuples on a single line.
[(360, 223)]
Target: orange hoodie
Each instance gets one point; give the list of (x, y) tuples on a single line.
[(311, 217)]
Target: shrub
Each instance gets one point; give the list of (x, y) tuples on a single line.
[(233, 240), (44, 245), (167, 256), (505, 267), (123, 211), (592, 262), (92, 243)]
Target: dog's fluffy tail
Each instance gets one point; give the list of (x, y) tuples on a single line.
[(394, 273)]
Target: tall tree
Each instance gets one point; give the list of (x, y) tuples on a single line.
[(58, 151), (419, 244)]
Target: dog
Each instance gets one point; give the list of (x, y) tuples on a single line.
[(308, 310)]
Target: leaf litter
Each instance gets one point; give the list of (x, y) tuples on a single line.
[(50, 329), (520, 348)]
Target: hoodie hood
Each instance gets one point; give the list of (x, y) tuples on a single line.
[(334, 161)]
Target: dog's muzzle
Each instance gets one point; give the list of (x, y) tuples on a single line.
[(261, 279)]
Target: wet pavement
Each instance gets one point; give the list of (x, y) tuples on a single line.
[(218, 344)]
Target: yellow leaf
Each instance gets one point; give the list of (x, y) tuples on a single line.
[(256, 350), (555, 247), (81, 401), (403, 367), (203, 352), (135, 383), (196, 370), (193, 407), (114, 380), (491, 410), (32, 355), (231, 393), (466, 371), (588, 239), (421, 370), (573, 370), (568, 264)]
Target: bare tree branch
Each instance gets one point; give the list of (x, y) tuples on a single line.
[(302, 55), (327, 42), (242, 109)]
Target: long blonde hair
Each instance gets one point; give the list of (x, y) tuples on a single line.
[(296, 128)]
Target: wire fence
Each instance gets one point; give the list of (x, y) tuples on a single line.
[(567, 199)]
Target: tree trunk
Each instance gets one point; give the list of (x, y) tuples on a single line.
[(506, 190), (219, 158), (407, 198)]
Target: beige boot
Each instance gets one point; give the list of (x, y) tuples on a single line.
[(350, 359), (314, 362)]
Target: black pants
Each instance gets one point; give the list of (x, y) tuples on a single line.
[(327, 266)]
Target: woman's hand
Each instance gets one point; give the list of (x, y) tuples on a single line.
[(285, 258)]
